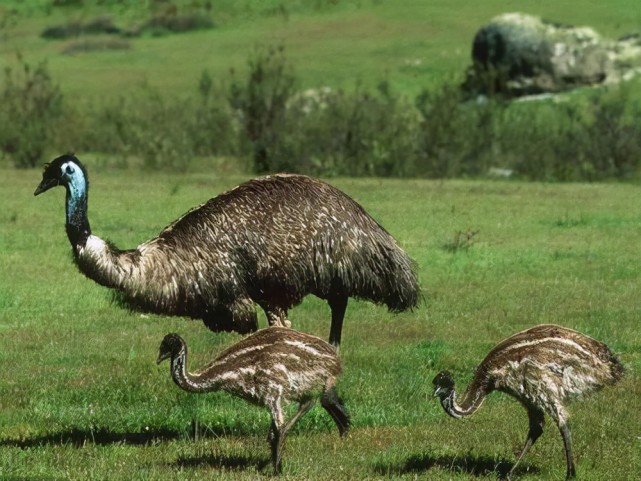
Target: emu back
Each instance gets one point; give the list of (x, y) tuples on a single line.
[(276, 239)]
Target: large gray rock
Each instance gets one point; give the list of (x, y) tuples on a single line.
[(518, 54)]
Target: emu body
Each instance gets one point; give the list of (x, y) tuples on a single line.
[(272, 368), (544, 368), (269, 241)]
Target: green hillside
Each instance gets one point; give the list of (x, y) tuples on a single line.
[(335, 43)]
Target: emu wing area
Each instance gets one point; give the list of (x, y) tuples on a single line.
[(285, 236)]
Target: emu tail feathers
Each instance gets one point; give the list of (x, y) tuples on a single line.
[(399, 279), (336, 409), (381, 272)]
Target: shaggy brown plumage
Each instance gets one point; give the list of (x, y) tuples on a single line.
[(272, 368), (543, 367), (269, 241)]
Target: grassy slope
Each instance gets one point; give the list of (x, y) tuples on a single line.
[(410, 43), (81, 398)]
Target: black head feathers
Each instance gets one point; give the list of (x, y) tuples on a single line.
[(58, 171), (170, 346)]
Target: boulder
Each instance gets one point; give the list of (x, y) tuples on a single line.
[(518, 54)]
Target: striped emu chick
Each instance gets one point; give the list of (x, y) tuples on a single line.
[(269, 241), (273, 368), (543, 367)]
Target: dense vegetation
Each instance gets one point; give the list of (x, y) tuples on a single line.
[(264, 117)]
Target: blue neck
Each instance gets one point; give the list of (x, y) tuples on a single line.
[(78, 229)]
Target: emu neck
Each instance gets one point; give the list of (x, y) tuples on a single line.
[(184, 379), (472, 400), (78, 229)]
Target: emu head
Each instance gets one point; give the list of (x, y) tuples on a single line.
[(443, 385), (171, 346), (64, 170)]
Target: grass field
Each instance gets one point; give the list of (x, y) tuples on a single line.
[(339, 43), (81, 397)]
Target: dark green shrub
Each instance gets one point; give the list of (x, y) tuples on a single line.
[(320, 131), (31, 106), (157, 132), (177, 23), (163, 132), (546, 140), (73, 28), (613, 140), (589, 138), (261, 100), (214, 127), (166, 18), (109, 126), (339, 133), (456, 138), (67, 3)]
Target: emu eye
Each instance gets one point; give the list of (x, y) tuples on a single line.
[(69, 169)]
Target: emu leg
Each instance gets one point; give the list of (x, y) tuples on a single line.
[(336, 409), (338, 305), (274, 437), (537, 421), (276, 316), (567, 441), (278, 432), (303, 408)]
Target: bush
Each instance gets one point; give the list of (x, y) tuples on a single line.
[(157, 133), (261, 100), (177, 23), (215, 128), (31, 106), (339, 133), (100, 25), (589, 136), (456, 138), (613, 138), (593, 137), (166, 18), (164, 132)]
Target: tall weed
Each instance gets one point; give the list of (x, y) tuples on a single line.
[(261, 101), (31, 105)]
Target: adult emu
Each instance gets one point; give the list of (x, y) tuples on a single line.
[(272, 368), (270, 241), (543, 367)]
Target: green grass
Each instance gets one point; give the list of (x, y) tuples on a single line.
[(410, 43), (81, 397)]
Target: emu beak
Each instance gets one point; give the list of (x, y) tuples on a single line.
[(161, 358), (45, 185)]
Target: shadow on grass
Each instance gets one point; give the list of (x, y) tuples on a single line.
[(228, 462), (79, 438), (472, 465)]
